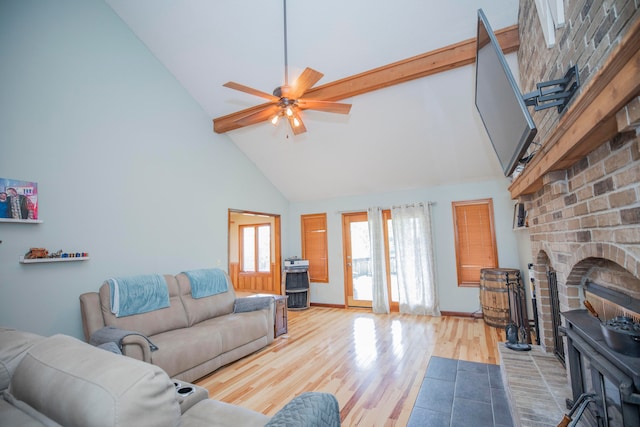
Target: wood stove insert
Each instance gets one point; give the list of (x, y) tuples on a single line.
[(595, 369)]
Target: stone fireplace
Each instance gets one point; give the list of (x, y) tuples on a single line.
[(585, 225), (582, 188)]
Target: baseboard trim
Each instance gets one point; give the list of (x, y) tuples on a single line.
[(319, 304), (474, 315)]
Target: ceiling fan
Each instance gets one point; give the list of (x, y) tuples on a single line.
[(286, 101)]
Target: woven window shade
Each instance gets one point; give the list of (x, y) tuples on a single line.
[(314, 246), (475, 240)]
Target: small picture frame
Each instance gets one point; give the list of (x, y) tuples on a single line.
[(18, 200)]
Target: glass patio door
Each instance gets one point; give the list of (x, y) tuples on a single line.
[(357, 260), (358, 280)]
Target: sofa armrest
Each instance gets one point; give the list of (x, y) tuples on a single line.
[(255, 303), (91, 312), (271, 320), (187, 398), (310, 409), (76, 384), (137, 347), (14, 345), (244, 304)]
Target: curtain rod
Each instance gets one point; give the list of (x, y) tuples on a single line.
[(387, 207)]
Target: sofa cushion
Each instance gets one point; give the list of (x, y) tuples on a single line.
[(237, 329), (13, 346), (76, 384), (151, 323), (182, 349), (213, 413), (199, 309)]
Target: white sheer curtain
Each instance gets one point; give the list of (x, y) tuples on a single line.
[(413, 237), (380, 300)]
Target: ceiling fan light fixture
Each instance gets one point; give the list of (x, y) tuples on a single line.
[(286, 101)]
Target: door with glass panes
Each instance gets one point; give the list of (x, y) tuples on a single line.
[(358, 263)]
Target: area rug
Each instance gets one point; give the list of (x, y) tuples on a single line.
[(459, 393)]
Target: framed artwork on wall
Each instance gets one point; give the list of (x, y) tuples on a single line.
[(18, 200)]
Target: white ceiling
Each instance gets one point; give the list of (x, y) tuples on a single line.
[(422, 133)]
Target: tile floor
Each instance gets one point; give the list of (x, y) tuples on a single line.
[(459, 393)]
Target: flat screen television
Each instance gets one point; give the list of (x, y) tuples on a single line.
[(499, 100)]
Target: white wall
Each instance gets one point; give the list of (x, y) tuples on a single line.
[(127, 164), (129, 170), (452, 297)]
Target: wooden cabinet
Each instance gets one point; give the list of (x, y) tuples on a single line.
[(280, 324)]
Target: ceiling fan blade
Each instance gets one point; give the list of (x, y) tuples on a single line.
[(251, 91), (229, 122), (306, 80), (300, 128), (260, 116), (328, 106)]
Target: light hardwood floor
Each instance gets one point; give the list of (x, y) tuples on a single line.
[(374, 364)]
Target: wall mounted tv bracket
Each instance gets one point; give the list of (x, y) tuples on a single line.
[(554, 92)]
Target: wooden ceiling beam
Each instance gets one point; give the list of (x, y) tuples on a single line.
[(435, 61), (426, 64)]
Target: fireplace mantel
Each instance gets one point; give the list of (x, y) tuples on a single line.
[(591, 119)]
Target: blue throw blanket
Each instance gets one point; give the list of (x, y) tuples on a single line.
[(207, 282), (242, 305), (138, 294)]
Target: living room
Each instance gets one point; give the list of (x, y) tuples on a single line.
[(130, 171)]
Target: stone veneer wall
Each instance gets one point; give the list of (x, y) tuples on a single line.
[(593, 28), (591, 211), (583, 215)]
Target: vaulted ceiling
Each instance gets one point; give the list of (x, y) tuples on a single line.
[(419, 133)]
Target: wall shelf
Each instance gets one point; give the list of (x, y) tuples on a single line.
[(22, 221), (43, 260)]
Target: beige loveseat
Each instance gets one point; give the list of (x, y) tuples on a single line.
[(62, 381), (193, 336)]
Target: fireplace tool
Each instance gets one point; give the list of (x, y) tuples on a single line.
[(580, 405), (516, 335)]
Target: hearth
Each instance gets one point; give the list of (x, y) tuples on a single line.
[(610, 379)]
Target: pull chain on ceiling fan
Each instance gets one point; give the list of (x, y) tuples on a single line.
[(286, 101)]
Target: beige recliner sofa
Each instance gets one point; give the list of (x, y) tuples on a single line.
[(62, 381), (194, 336)]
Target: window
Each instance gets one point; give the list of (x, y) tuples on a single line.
[(314, 246), (475, 239), (255, 248)]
